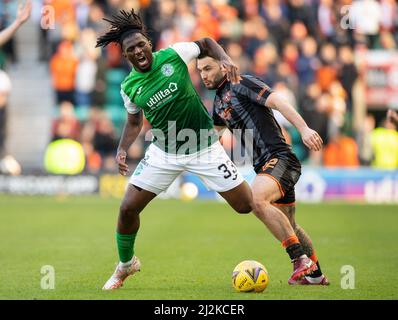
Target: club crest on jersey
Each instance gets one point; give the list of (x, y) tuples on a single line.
[(227, 97), (167, 69)]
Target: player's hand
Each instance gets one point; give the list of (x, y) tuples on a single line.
[(121, 162), (231, 70), (24, 11), (311, 139)]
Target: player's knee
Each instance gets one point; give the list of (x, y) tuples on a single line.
[(244, 208), (127, 210), (260, 203)]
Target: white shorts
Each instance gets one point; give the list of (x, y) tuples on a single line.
[(158, 169)]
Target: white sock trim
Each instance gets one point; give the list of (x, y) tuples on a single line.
[(125, 264)]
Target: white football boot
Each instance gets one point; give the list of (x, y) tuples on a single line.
[(121, 273)]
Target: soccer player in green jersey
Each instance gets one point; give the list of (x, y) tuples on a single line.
[(159, 87)]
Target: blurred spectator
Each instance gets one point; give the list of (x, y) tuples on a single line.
[(389, 12), (385, 146), (367, 17), (337, 113), (235, 51), (66, 126), (207, 25), (265, 66), (290, 56), (299, 10), (341, 151), (82, 13), (64, 10), (185, 20), (327, 72), (23, 14), (392, 116), (8, 164), (86, 73), (93, 158), (275, 18), (283, 74), (104, 139), (327, 19), (167, 9), (308, 62), (365, 140), (386, 41), (85, 80), (5, 88), (298, 32), (95, 18), (231, 27), (347, 73), (63, 66), (315, 107), (65, 20), (247, 8), (255, 35)]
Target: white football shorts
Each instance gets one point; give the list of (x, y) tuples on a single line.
[(158, 169)]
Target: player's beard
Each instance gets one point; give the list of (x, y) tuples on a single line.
[(217, 81)]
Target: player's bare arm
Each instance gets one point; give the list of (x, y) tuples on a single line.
[(23, 14), (310, 137), (131, 131), (212, 49)]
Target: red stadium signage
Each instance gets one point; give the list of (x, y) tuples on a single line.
[(380, 74)]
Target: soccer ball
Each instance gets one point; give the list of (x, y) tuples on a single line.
[(189, 191), (250, 275)]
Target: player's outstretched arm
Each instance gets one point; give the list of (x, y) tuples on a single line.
[(210, 47), (310, 137), (23, 14), (131, 131)]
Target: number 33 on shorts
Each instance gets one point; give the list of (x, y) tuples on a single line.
[(229, 170)]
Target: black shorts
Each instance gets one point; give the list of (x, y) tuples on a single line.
[(285, 169)]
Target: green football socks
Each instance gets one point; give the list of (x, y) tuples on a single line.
[(125, 246)]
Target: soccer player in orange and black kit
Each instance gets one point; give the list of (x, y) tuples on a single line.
[(247, 106)]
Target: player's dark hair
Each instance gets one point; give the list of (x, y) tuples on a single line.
[(122, 24)]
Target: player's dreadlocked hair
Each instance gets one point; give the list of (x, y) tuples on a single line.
[(122, 24)]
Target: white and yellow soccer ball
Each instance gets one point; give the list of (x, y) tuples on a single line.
[(189, 191), (250, 276)]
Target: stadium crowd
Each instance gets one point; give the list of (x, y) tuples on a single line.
[(304, 49)]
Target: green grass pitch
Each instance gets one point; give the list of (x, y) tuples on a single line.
[(188, 249)]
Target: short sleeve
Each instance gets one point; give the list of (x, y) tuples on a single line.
[(253, 89), (131, 107), (186, 50)]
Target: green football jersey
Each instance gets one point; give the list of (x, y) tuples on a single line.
[(180, 122)]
